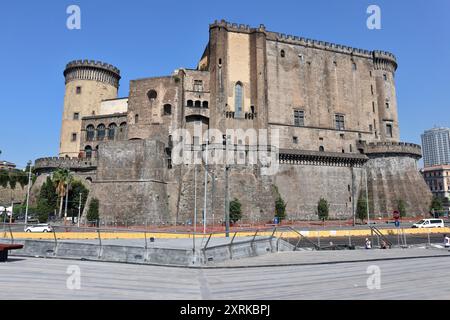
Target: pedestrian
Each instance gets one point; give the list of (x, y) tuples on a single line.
[(446, 241), (383, 244), (368, 244)]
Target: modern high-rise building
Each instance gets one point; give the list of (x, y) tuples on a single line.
[(436, 147)]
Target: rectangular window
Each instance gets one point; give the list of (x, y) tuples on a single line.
[(370, 128), (373, 106), (340, 122), (389, 130), (295, 140), (371, 89), (74, 137), (385, 77), (76, 116), (198, 85), (78, 90), (299, 118), (387, 105)]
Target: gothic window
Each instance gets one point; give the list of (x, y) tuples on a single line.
[(101, 132), (340, 122), (238, 99), (111, 131), (198, 85), (90, 132), (299, 118), (88, 152), (152, 95), (389, 130), (167, 109)]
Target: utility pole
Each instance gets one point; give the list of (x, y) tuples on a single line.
[(28, 193), (195, 204), (353, 196), (367, 199), (79, 211), (206, 186), (67, 200), (227, 204)]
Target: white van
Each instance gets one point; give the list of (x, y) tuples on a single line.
[(429, 223)]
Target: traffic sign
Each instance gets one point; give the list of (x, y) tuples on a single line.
[(396, 215)]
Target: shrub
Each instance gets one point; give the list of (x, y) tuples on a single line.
[(93, 214), (323, 209), (235, 210)]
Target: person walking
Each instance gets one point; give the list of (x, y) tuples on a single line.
[(368, 244), (446, 241)]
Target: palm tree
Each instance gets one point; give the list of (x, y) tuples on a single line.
[(62, 178)]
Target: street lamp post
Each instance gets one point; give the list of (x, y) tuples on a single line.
[(206, 186), (79, 211), (227, 204), (28, 193)]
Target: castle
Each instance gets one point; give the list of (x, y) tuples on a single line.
[(334, 107)]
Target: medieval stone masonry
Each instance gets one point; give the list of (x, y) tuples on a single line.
[(334, 107)]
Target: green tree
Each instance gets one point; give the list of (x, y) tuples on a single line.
[(77, 188), (436, 204), (323, 209), (4, 178), (93, 211), (401, 207), (235, 210), (280, 205), (62, 178), (361, 208)]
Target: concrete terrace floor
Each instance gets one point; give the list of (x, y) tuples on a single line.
[(414, 278)]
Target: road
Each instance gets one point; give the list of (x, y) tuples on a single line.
[(416, 278)]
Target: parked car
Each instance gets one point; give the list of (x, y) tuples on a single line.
[(429, 223), (39, 228)]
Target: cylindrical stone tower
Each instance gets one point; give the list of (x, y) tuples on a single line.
[(385, 65), (87, 84)]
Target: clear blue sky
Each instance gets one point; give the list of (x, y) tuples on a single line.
[(151, 38)]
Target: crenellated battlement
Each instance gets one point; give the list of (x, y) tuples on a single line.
[(384, 61), (381, 58), (75, 164), (92, 70), (93, 63), (394, 148)]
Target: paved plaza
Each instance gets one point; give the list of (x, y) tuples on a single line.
[(412, 274)]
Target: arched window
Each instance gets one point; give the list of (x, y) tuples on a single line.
[(190, 103), (205, 104), (151, 94), (198, 104), (282, 53), (90, 132), (321, 149), (122, 126), (238, 99), (167, 109), (88, 152), (112, 131), (136, 118), (101, 131)]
